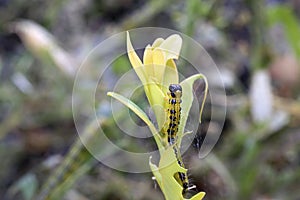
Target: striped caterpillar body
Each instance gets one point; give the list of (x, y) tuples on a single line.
[(174, 111)]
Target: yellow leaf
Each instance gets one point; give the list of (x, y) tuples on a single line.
[(198, 196), (135, 61), (148, 62), (157, 103), (164, 174), (172, 46), (170, 74), (168, 166), (157, 42), (159, 63)]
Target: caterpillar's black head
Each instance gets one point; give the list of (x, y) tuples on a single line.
[(174, 88)]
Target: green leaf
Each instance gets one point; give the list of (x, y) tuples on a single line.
[(76, 163), (284, 15), (140, 113), (70, 177), (187, 100)]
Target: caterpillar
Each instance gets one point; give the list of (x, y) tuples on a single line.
[(174, 111)]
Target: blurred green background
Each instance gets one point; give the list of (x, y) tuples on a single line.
[(256, 44)]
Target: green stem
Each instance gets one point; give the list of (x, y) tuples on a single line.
[(257, 34)]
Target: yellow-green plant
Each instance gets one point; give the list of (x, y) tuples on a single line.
[(157, 71)]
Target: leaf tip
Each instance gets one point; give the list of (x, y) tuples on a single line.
[(109, 94)]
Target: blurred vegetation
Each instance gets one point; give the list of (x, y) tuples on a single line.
[(255, 44)]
